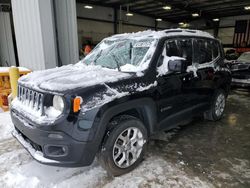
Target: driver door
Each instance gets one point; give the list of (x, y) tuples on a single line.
[(175, 98)]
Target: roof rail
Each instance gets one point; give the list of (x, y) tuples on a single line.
[(173, 30), (190, 31)]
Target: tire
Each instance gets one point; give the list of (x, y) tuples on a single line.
[(217, 107), (120, 152)]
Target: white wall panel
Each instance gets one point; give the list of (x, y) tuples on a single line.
[(35, 36), (230, 21), (226, 35), (67, 31), (7, 55)]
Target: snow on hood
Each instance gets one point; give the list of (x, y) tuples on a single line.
[(71, 77)]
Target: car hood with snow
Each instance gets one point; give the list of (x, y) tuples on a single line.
[(71, 77), (95, 84)]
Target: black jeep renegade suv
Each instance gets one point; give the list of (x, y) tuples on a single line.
[(110, 103)]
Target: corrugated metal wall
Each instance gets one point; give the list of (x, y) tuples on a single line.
[(35, 36), (7, 55), (66, 23)]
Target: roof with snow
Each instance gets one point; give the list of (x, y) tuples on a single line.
[(161, 34)]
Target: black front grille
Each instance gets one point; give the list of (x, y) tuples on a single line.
[(31, 98)]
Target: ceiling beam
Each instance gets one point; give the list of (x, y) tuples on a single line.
[(216, 4), (117, 6), (141, 4)]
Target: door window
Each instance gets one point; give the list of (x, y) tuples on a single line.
[(205, 51), (215, 49), (180, 48)]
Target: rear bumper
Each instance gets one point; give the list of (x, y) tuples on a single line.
[(52, 147)]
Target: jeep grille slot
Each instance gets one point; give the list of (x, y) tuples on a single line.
[(31, 98)]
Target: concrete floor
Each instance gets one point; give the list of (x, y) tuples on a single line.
[(217, 152), (201, 154)]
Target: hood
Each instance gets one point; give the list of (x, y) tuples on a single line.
[(70, 77)]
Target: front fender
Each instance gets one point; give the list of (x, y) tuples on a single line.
[(107, 112)]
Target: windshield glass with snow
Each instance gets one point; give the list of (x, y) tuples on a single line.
[(244, 58), (126, 55)]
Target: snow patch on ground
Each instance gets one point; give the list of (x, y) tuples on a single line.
[(153, 172), (156, 172), (6, 126)]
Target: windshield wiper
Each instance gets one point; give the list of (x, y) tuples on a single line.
[(130, 52), (117, 62)]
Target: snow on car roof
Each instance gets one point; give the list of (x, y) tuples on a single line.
[(160, 34)]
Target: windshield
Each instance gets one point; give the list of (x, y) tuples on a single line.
[(244, 58), (128, 55)]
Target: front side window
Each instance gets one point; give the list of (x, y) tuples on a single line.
[(122, 54), (175, 49), (180, 48)]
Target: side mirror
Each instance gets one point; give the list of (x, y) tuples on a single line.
[(177, 65)]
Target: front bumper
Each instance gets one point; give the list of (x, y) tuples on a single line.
[(52, 147)]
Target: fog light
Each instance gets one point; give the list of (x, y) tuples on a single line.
[(56, 151)]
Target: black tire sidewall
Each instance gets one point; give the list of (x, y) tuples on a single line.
[(107, 150), (216, 95)]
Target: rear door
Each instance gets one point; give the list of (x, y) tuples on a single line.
[(206, 56)]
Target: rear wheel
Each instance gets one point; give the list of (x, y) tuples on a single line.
[(124, 146), (217, 107)]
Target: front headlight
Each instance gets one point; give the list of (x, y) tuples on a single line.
[(58, 103)]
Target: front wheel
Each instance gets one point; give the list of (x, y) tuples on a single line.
[(217, 107), (124, 146)]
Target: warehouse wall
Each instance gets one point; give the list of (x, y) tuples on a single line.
[(226, 34), (97, 26), (7, 55), (66, 27), (226, 30), (35, 36)]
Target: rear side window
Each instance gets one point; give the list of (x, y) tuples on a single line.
[(181, 48), (202, 51), (205, 51), (215, 49)]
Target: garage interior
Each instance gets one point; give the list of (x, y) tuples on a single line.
[(43, 34)]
